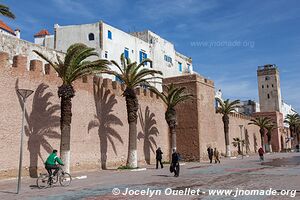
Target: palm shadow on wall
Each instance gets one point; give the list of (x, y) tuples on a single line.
[(247, 142), (105, 120), (149, 131), (40, 125)]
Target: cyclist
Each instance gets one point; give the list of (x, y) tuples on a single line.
[(50, 163)]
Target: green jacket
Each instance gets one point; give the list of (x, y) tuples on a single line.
[(52, 159)]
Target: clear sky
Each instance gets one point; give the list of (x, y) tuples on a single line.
[(227, 39)]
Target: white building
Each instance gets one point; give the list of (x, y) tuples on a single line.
[(287, 110), (248, 107), (111, 42), (6, 30)]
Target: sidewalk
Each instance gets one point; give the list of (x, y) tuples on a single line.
[(231, 173)]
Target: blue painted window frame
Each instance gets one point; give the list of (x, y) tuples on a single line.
[(126, 53), (143, 56), (109, 34), (180, 66)]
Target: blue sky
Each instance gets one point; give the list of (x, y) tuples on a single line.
[(232, 37)]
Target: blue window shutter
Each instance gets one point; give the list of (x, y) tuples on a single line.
[(141, 56), (126, 53), (180, 67), (109, 35)]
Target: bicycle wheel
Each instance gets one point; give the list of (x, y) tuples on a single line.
[(65, 179), (42, 181)]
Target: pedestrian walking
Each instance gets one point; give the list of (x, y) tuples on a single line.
[(210, 153), (159, 158), (174, 167), (261, 153), (217, 155)]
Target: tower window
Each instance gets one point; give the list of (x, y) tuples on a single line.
[(106, 54), (262, 86), (267, 78), (267, 86), (272, 85), (268, 96), (91, 37)]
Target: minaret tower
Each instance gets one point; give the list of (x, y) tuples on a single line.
[(269, 88)]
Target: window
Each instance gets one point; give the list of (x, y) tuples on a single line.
[(109, 35), (91, 37), (105, 54), (267, 78), (143, 56), (168, 59), (180, 66), (262, 86), (126, 53), (267, 86), (272, 85), (268, 96), (188, 68)]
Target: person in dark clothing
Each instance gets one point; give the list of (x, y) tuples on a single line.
[(210, 153), (261, 153), (159, 158), (175, 163)]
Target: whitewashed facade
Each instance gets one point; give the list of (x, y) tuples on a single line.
[(111, 42)]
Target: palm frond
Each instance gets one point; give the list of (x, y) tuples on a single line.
[(4, 10)]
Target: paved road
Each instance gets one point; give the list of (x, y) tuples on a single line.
[(279, 171)]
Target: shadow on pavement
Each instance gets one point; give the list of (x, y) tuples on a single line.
[(283, 162), (7, 192), (33, 187), (163, 175)]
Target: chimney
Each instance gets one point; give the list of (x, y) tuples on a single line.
[(18, 33)]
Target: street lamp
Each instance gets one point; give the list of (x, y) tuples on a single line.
[(241, 141), (24, 94)]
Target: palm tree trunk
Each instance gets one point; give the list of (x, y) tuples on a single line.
[(66, 93), (225, 119), (170, 116), (262, 138), (173, 137), (269, 143), (132, 108), (66, 116)]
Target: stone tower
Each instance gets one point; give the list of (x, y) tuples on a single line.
[(269, 88)]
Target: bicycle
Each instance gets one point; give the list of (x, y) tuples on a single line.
[(44, 181)]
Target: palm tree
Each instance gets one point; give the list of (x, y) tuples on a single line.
[(133, 75), (73, 67), (270, 129), (262, 123), (4, 10), (172, 97), (293, 120), (225, 108)]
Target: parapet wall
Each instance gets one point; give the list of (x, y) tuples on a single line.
[(38, 71), (99, 130)]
